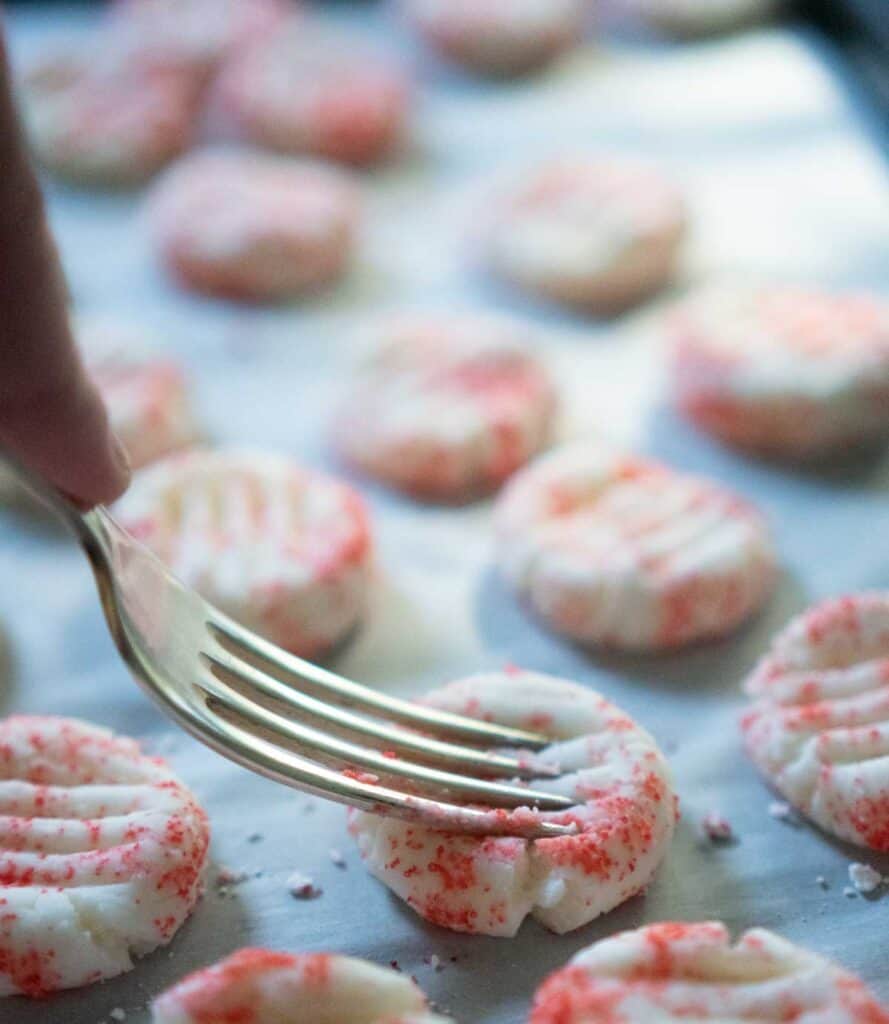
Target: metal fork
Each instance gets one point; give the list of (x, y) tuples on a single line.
[(295, 722)]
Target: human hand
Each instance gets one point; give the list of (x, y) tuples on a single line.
[(51, 415)]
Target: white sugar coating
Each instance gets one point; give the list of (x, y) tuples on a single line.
[(782, 370), (258, 986), (307, 91), (701, 17), (196, 34), (625, 814), (282, 549), (97, 119), (102, 851), (498, 37), (251, 226), (446, 406), (599, 233), (145, 393), (675, 972), (818, 727), (621, 551), (865, 878)]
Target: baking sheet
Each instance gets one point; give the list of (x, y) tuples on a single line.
[(781, 179)]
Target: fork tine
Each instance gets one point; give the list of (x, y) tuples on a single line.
[(351, 694), (497, 794), (284, 766), (395, 738)]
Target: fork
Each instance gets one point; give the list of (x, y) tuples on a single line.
[(298, 723)]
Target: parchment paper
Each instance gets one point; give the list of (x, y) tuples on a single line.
[(781, 179)]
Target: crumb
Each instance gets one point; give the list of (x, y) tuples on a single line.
[(337, 857), (302, 887), (395, 965), (226, 877), (436, 964), (368, 778), (255, 837), (865, 879), (782, 811), (849, 892), (226, 880), (822, 881), (118, 1013), (717, 828)]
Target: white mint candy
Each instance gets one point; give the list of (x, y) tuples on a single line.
[(282, 549), (258, 986), (597, 233), (306, 91), (498, 37), (818, 728), (619, 551), (102, 852), (625, 814), (676, 972), (446, 406), (782, 371), (145, 392), (251, 226)]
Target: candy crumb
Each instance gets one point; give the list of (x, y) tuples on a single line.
[(717, 828), (850, 893), (822, 881), (782, 811), (226, 877), (865, 878), (434, 961), (226, 880), (118, 1013), (302, 887), (337, 857)]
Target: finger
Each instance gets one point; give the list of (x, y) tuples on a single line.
[(51, 415), (64, 436)]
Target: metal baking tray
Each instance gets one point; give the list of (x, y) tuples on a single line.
[(782, 180)]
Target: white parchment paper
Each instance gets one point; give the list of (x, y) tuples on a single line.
[(781, 180)]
